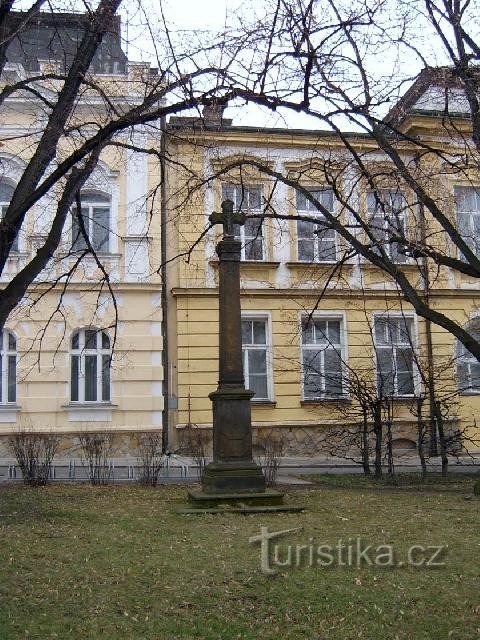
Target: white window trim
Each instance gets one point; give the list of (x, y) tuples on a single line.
[(266, 317), (405, 221), (326, 315), (14, 251), (90, 205), (247, 212), (470, 326), (6, 353), (416, 374), (471, 214), (319, 215), (82, 352)]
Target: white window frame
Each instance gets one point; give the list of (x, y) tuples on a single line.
[(408, 316), (4, 204), (465, 227), (333, 316), (466, 359), (81, 352), (240, 195), (384, 224), (90, 204), (6, 353), (313, 212), (266, 318)]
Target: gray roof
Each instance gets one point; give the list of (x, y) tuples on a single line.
[(56, 37)]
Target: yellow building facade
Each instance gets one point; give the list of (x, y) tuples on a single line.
[(318, 322), (77, 356)]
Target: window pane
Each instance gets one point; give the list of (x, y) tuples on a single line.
[(101, 226), (474, 382), (253, 228), (381, 334), (334, 331), (106, 378), (254, 249), (90, 378), (75, 340), (326, 249), (258, 383), (404, 331), (301, 201), (105, 340), (228, 192), (6, 191), (246, 332), (312, 387), (465, 199), (307, 331), (257, 361), (91, 196), (12, 378), (385, 373), (320, 332), (305, 229), (254, 198), (74, 375), (259, 333), (405, 384), (306, 250), (12, 343), (333, 372), (78, 240), (90, 339)]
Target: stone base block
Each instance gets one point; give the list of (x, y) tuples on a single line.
[(233, 477), (235, 501)]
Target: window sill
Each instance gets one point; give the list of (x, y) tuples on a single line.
[(89, 411), (325, 400), (250, 263), (263, 403), (325, 263), (8, 412)]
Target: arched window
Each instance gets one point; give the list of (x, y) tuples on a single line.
[(468, 367), (8, 367), (90, 358), (95, 214), (6, 193)]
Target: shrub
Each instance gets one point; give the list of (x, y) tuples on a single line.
[(34, 453), (97, 449), (150, 458)]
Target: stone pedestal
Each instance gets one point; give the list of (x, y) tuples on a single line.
[(232, 469), (233, 481)]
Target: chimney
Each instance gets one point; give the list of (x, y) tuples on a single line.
[(213, 115)]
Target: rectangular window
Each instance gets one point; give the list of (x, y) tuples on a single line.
[(95, 214), (255, 357), (467, 206), (387, 219), (395, 356), (323, 354), (315, 242), (247, 199)]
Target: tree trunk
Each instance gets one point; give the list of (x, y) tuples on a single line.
[(421, 439), (365, 445), (378, 431), (442, 440)]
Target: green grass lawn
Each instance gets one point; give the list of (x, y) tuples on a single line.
[(119, 563)]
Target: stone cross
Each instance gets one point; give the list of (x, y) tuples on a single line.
[(228, 218), (232, 469)]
